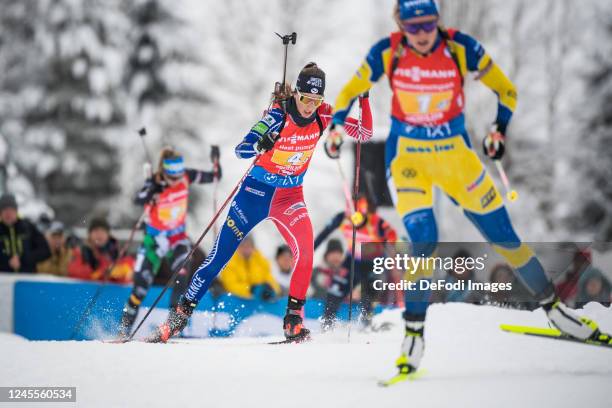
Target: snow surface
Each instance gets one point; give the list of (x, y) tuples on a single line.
[(469, 363)]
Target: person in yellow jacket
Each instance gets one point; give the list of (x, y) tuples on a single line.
[(428, 145), (248, 274), (61, 255)]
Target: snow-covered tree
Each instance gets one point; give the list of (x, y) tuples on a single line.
[(69, 104)]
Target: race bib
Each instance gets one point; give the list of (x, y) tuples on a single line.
[(415, 103), (285, 158)]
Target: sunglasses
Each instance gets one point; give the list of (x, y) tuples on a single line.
[(414, 28), (305, 99)]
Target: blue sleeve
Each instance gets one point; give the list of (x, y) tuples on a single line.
[(474, 51), (329, 228), (268, 124)]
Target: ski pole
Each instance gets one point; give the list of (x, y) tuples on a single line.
[(280, 88), (142, 133), (356, 216), (355, 193), (195, 246), (106, 275), (214, 156), (286, 40), (511, 195)]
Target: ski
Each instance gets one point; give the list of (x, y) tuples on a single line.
[(398, 378), (296, 340), (554, 334)]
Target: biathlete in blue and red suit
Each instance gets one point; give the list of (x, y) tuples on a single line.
[(165, 197), (285, 141)]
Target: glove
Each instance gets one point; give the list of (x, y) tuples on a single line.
[(266, 143), (333, 143), (493, 144), (215, 153)]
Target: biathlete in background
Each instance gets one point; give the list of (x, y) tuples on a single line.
[(165, 197), (284, 141), (373, 230), (429, 145)]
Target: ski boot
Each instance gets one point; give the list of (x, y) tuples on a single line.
[(177, 320), (570, 324), (130, 312), (293, 323), (412, 348)]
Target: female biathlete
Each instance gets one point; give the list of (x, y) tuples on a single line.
[(284, 141), (164, 196), (428, 145)]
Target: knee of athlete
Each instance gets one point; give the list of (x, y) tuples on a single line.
[(423, 232), (496, 227)]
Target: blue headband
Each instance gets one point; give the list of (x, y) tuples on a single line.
[(174, 167), (417, 8)]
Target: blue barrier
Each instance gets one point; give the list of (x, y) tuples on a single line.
[(50, 310)]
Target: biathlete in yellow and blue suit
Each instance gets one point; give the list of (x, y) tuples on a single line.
[(428, 146)]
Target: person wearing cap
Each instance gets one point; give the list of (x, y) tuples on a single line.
[(57, 264), (428, 145), (92, 259), (22, 245), (373, 230), (283, 141), (283, 268), (165, 197), (332, 282)]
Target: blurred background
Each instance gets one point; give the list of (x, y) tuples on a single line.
[(79, 77)]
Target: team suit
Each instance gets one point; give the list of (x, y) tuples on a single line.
[(374, 231), (165, 236), (272, 190), (428, 145)]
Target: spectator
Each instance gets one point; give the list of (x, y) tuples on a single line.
[(248, 274), (57, 264), (22, 244), (593, 286), (457, 275), (517, 298), (568, 287), (91, 260), (284, 267), (371, 229), (331, 282)]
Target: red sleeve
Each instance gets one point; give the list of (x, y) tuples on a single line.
[(352, 126)]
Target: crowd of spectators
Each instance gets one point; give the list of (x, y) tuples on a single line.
[(49, 248)]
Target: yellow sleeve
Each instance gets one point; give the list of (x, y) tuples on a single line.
[(494, 78)]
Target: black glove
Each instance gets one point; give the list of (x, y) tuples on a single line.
[(215, 153), (266, 143), (493, 144), (218, 172)]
